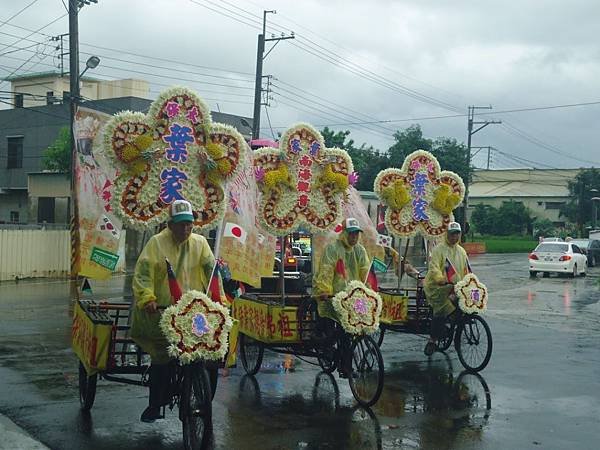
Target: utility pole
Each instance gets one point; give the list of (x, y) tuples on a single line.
[(470, 133), (74, 6), (260, 57), (488, 148)]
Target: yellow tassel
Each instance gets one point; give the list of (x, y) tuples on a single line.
[(214, 150), (339, 181)]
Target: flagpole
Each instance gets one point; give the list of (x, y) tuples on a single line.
[(218, 237)]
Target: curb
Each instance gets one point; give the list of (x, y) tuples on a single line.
[(16, 438)]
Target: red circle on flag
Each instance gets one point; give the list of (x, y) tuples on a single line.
[(338, 228), (236, 231)]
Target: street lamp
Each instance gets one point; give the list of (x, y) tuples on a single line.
[(91, 63)]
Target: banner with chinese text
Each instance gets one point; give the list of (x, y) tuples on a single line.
[(244, 246), (99, 229)]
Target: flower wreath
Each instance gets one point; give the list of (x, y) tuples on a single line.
[(358, 308), (196, 328), (302, 183), (173, 152), (419, 196), (472, 294)]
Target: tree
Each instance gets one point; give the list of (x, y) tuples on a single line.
[(452, 156), (57, 157), (510, 218), (407, 141), (579, 208), (543, 227)]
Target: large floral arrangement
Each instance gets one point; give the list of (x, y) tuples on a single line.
[(196, 328), (302, 183), (173, 152), (419, 196), (472, 294), (358, 308)]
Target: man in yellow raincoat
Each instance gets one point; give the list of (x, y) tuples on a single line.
[(193, 262), (448, 265), (343, 260)]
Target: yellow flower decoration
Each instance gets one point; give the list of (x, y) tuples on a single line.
[(339, 181), (137, 167), (214, 150), (130, 152), (445, 200), (396, 195), (278, 176)]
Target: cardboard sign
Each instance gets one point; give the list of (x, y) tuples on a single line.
[(90, 341), (266, 323), (395, 308)]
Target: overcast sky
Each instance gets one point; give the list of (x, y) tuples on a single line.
[(371, 67)]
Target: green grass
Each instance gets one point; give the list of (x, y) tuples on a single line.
[(507, 244)]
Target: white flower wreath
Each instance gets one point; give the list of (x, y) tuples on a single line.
[(472, 294), (196, 328), (358, 308)]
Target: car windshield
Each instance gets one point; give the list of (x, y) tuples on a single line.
[(552, 248)]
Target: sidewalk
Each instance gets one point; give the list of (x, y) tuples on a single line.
[(15, 438)]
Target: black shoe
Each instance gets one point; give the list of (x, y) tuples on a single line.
[(151, 413), (430, 348)]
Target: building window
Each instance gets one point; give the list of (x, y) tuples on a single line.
[(18, 100), (46, 207), (555, 205), (49, 97), (14, 216), (15, 152)]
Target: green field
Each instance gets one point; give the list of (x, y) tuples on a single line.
[(507, 244)]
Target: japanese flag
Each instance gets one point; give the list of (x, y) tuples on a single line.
[(384, 241), (235, 231)]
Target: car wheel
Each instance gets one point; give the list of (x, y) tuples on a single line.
[(584, 271), (545, 274), (532, 273)]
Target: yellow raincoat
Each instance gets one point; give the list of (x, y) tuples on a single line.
[(331, 278), (192, 262), (437, 296)]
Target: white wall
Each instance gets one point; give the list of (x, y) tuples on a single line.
[(40, 253)]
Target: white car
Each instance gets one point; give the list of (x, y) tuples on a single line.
[(558, 257)]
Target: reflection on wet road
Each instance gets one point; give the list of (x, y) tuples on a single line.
[(540, 390)]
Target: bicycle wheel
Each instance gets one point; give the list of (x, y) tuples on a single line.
[(196, 407), (366, 375), (251, 352), (473, 343), (87, 388), (471, 396)]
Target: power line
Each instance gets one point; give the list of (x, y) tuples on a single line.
[(4, 22)]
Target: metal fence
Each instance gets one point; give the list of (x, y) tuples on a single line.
[(34, 253)]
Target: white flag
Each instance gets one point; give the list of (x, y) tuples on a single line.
[(384, 241), (235, 231)]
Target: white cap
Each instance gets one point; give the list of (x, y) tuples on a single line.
[(454, 227), (352, 225), (181, 211)]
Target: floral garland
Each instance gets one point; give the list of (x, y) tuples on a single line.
[(173, 152), (472, 294), (420, 196), (302, 183), (358, 308), (196, 328)]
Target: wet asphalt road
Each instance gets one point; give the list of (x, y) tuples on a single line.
[(541, 389)]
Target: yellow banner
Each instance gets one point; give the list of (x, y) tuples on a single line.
[(98, 227), (266, 323), (248, 251), (394, 309), (90, 341)]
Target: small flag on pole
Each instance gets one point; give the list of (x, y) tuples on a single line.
[(174, 288), (372, 278), (384, 241), (379, 266), (450, 270), (235, 231)]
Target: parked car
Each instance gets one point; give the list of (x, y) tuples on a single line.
[(557, 257), (552, 239), (593, 253)]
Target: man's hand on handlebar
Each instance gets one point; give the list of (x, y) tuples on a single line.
[(151, 307)]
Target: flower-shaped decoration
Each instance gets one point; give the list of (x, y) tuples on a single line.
[(358, 308), (196, 328), (173, 152), (302, 182), (472, 294), (419, 197)]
